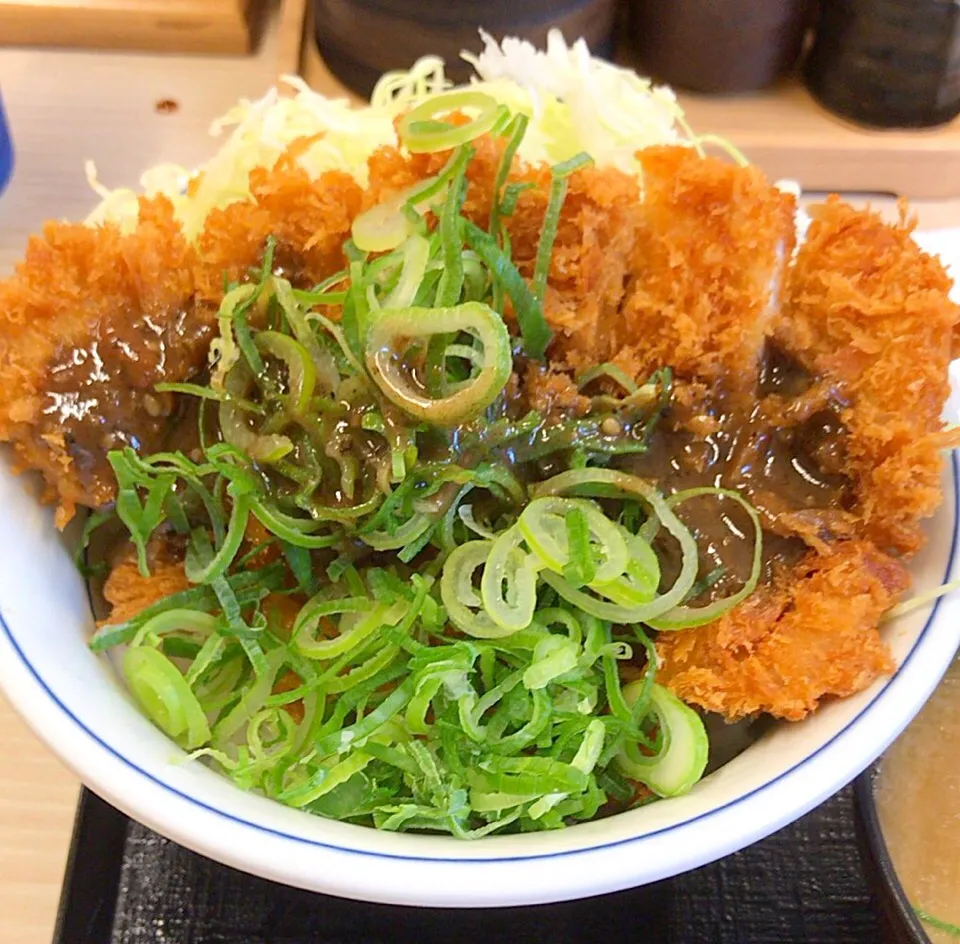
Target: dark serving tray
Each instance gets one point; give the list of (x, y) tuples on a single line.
[(126, 885)]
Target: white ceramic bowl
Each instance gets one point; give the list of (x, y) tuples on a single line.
[(77, 704)]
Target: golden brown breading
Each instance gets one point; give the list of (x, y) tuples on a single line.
[(128, 592), (705, 276), (552, 394), (688, 277), (869, 312), (149, 299), (811, 634), (591, 259), (310, 219), (73, 279), (593, 249)]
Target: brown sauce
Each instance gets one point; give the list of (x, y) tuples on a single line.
[(782, 460), (101, 396)]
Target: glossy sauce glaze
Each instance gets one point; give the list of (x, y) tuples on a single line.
[(101, 397), (782, 452)]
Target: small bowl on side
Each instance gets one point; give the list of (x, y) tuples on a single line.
[(898, 920)]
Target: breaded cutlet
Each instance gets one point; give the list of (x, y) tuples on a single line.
[(867, 310), (706, 274), (812, 633), (94, 318), (693, 276)]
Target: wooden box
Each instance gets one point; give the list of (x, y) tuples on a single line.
[(194, 26)]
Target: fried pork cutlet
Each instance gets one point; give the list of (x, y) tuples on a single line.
[(686, 275), (594, 247), (706, 272), (868, 315), (94, 318), (810, 634), (89, 323), (129, 592), (694, 276), (868, 311)]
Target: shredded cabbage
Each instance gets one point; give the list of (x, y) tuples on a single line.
[(575, 103)]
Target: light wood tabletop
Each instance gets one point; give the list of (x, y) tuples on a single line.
[(65, 107)]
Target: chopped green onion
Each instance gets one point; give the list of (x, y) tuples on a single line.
[(351, 633), (514, 133), (683, 616), (262, 447), (683, 756), (324, 367), (415, 255), (450, 286), (463, 604), (165, 696), (551, 221), (422, 133), (301, 372), (947, 927), (383, 227), (472, 317), (533, 326), (544, 524), (509, 583), (615, 373)]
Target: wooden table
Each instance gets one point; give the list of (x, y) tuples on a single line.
[(65, 107)]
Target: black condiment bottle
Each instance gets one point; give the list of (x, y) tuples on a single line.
[(718, 46), (887, 63)]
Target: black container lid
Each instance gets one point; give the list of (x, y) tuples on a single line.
[(887, 63)]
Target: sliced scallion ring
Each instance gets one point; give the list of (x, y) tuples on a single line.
[(416, 254), (409, 531), (509, 583), (683, 756), (351, 632), (462, 602), (325, 368), (641, 579), (394, 327), (632, 485), (301, 372), (261, 447), (542, 526), (553, 656), (681, 617), (422, 133), (165, 696), (383, 227)]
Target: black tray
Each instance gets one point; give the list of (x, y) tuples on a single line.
[(126, 885)]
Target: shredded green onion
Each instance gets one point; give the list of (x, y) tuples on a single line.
[(681, 761), (952, 929), (551, 220)]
